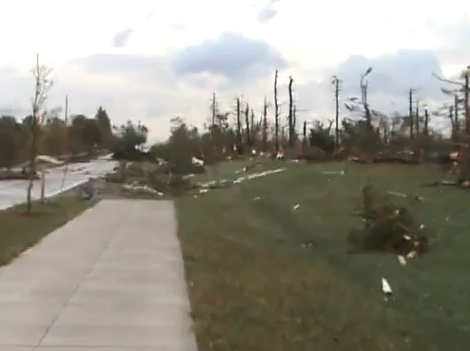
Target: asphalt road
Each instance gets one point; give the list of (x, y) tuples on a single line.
[(13, 192)]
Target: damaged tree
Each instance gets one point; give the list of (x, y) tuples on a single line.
[(410, 112), (238, 135), (290, 118), (43, 84), (364, 85), (462, 93), (265, 125), (336, 82), (276, 114), (388, 227), (247, 126)]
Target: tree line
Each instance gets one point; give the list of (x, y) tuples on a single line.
[(361, 129), (55, 136)]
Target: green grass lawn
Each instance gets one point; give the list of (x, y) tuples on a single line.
[(19, 231), (254, 286)]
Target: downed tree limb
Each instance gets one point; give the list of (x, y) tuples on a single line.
[(464, 185), (407, 196)]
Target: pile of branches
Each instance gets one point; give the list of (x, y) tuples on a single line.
[(457, 167), (388, 227), (404, 157)]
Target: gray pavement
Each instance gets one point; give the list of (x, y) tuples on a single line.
[(13, 192), (111, 279)]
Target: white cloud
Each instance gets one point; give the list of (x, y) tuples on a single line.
[(130, 56)]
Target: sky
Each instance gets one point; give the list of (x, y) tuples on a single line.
[(154, 60)]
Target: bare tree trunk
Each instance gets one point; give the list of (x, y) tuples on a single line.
[(247, 126), (336, 83), (304, 135), (456, 115), (290, 117), (464, 173), (417, 119), (239, 128), (265, 125), (34, 134), (466, 102), (214, 111), (253, 128), (426, 123), (410, 112), (426, 132), (66, 117), (276, 114)]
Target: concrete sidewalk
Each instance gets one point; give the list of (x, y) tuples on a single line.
[(112, 279)]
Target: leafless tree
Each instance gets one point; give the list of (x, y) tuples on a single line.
[(276, 114), (364, 85), (247, 126), (336, 82), (43, 85), (239, 141), (265, 125), (290, 118)]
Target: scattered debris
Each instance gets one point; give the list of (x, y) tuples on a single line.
[(145, 189), (307, 244), (296, 207), (402, 260), (407, 196), (334, 172), (386, 289), (197, 161), (257, 198)]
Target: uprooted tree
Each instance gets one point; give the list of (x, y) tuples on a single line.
[(387, 227)]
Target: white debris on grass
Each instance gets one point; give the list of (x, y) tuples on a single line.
[(257, 198), (226, 182), (402, 260), (386, 289), (141, 189), (197, 161), (296, 207), (48, 159), (334, 172), (280, 155), (398, 194)]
